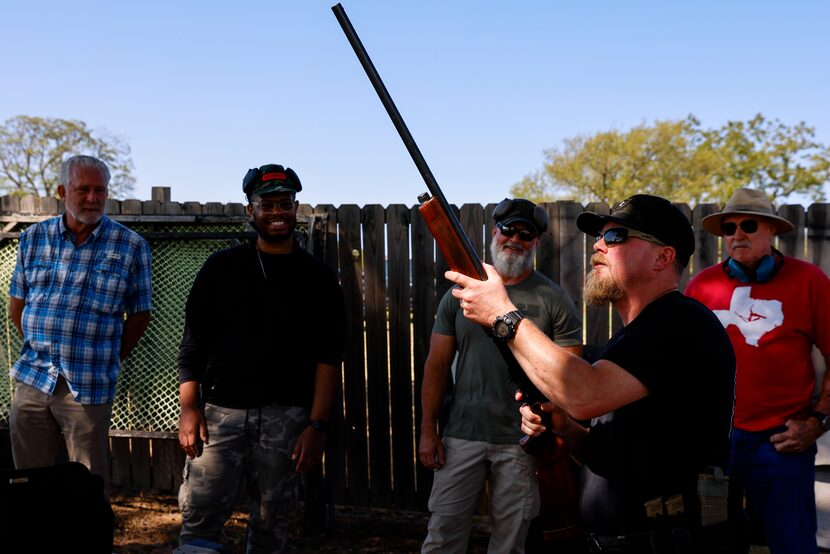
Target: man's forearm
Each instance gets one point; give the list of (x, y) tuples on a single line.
[(325, 391), (134, 327), (16, 306)]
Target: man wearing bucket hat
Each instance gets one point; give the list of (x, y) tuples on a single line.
[(775, 309), (648, 438), (259, 365), (480, 440)]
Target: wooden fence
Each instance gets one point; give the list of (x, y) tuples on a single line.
[(392, 278)]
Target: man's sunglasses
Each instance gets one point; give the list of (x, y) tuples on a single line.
[(509, 231), (748, 226), (618, 235), (269, 206)]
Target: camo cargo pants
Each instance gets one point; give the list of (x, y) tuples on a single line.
[(255, 444)]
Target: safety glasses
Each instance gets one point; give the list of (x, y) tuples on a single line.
[(618, 235), (748, 226), (509, 231), (271, 206)]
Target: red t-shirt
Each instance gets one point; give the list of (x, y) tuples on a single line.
[(773, 327)]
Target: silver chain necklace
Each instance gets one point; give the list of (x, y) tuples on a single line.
[(261, 266)]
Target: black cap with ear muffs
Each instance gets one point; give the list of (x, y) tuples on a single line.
[(270, 178), (509, 211)]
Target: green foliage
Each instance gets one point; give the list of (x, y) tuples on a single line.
[(32, 149), (681, 161)]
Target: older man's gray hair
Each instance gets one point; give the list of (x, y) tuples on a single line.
[(83, 161)]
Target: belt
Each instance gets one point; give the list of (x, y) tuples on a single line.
[(638, 543)]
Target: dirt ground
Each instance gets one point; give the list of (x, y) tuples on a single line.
[(150, 524)]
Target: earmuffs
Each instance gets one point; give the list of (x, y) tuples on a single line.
[(767, 268)]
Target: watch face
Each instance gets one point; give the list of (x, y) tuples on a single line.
[(501, 329)]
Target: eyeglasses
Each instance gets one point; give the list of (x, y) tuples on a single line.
[(270, 206), (748, 226), (618, 235), (509, 231)]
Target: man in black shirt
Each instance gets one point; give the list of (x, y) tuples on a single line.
[(659, 398), (259, 367)]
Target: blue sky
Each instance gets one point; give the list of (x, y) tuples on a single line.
[(204, 90)]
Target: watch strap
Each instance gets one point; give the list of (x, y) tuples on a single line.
[(823, 419), (318, 424)]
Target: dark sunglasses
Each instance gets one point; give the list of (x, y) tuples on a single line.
[(618, 235), (509, 231), (748, 226)]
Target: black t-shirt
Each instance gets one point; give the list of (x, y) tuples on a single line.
[(657, 446), (255, 332)]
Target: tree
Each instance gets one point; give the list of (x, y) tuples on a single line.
[(32, 149), (683, 162)]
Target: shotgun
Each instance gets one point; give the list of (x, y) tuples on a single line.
[(438, 215)]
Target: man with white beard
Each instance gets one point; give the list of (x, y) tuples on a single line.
[(480, 441)]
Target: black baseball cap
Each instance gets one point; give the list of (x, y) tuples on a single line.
[(270, 178), (510, 211), (649, 214)]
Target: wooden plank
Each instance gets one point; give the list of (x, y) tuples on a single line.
[(401, 386), (472, 221), (706, 244), (160, 194), (335, 471), (684, 275), (423, 317), (488, 231), (571, 251), (131, 207), (140, 464), (120, 456), (818, 235), (547, 261), (597, 322), (165, 464), (793, 243), (377, 360), (354, 382)]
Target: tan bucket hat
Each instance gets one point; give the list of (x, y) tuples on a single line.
[(747, 202)]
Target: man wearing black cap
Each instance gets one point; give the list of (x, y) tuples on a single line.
[(480, 440), (262, 345), (659, 398), (775, 308)]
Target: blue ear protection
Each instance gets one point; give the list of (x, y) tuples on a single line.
[(763, 273)]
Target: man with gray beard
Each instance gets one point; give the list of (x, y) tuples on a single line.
[(480, 441)]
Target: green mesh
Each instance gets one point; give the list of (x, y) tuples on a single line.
[(147, 393)]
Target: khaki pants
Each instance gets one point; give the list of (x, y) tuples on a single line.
[(514, 498), (37, 421)]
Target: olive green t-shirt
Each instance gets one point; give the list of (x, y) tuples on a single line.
[(483, 408)]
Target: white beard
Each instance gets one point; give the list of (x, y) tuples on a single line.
[(509, 263)]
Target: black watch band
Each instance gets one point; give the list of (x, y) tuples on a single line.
[(822, 418), (504, 327), (318, 424)]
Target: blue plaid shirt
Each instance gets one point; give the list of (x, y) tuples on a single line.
[(74, 304)]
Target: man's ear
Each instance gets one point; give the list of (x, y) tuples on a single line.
[(61, 192), (665, 257), (250, 209)]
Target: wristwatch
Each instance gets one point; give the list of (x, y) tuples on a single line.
[(822, 418), (318, 424), (504, 327)]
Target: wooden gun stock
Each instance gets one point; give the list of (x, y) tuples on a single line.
[(449, 243)]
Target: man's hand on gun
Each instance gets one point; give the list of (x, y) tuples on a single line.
[(482, 301), (532, 422)]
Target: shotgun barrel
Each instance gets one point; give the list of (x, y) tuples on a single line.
[(473, 263)]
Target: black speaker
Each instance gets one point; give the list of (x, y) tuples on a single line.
[(60, 508)]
